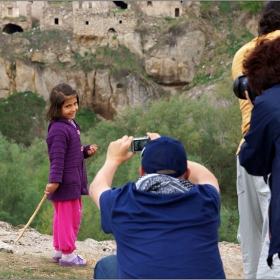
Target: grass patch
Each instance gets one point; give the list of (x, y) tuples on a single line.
[(16, 266), (28, 42), (46, 38), (225, 7), (169, 19), (15, 18), (199, 79), (253, 7), (118, 10), (235, 42)]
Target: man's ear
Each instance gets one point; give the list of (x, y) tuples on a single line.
[(141, 171), (187, 174)]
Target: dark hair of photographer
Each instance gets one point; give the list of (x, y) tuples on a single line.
[(262, 65), (270, 18)]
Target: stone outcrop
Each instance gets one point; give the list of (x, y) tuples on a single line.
[(174, 64), (5, 81), (98, 90)]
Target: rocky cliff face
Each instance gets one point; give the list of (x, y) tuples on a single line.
[(170, 54), (98, 90)]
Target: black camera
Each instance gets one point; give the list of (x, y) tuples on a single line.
[(138, 144), (240, 85)]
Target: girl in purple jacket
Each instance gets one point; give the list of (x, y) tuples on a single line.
[(67, 177)]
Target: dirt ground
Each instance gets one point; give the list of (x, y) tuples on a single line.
[(31, 255)]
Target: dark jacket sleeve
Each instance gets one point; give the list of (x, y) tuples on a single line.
[(258, 150), (85, 151)]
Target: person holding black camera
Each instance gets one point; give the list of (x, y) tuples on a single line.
[(166, 223), (260, 153), (253, 192)]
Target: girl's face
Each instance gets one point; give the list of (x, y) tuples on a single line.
[(69, 108)]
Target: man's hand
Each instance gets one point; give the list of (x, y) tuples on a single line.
[(153, 136), (118, 150)]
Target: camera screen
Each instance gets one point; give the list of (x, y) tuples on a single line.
[(139, 145)]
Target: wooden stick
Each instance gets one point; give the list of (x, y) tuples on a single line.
[(31, 219)]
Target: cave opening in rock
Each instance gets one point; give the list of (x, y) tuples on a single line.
[(112, 32), (12, 28), (121, 4)]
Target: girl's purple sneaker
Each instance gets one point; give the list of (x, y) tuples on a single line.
[(78, 261), (56, 259)]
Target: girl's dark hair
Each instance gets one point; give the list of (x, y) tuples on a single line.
[(270, 18), (262, 65), (58, 95)]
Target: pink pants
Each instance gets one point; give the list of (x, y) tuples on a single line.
[(66, 223)]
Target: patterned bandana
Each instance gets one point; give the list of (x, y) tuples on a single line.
[(162, 184)]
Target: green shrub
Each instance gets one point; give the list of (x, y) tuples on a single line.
[(206, 7), (229, 225), (253, 7), (86, 119), (21, 117), (225, 7), (170, 19)]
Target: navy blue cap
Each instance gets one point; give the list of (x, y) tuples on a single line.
[(165, 153)]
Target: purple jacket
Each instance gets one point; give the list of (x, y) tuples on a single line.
[(67, 165)]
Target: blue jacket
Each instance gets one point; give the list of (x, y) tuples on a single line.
[(260, 155), (67, 166), (164, 235)]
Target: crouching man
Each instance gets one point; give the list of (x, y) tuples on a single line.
[(166, 224)]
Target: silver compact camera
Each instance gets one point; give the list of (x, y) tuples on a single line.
[(138, 144)]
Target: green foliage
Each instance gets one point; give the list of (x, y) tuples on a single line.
[(91, 222), (199, 79), (235, 41), (169, 19), (86, 118), (228, 7), (19, 185), (225, 7), (229, 225), (253, 7), (206, 7), (21, 117), (44, 219)]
